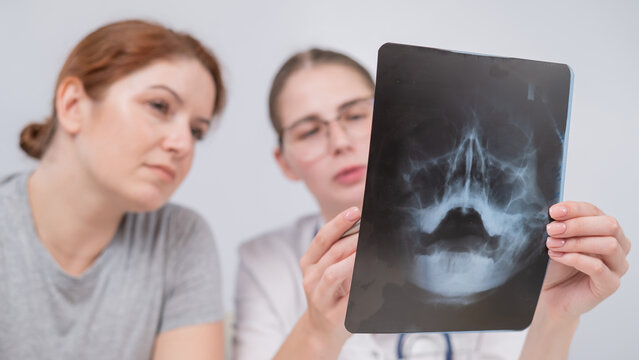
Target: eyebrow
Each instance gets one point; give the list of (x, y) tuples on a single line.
[(180, 101), (204, 120), (175, 95), (351, 102), (339, 108)]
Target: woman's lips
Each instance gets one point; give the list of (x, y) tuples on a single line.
[(166, 173), (350, 175)]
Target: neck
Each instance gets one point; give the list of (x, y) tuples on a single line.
[(74, 219)]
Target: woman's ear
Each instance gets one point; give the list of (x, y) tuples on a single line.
[(69, 100), (284, 165)]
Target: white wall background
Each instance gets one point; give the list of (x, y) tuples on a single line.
[(234, 182)]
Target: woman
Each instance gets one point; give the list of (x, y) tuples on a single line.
[(94, 264), (293, 311)]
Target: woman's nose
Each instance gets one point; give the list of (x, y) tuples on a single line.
[(338, 139), (178, 139)]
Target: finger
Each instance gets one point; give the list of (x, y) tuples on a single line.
[(340, 250), (584, 226), (328, 234), (568, 210), (603, 281), (350, 263), (352, 230), (607, 247), (335, 283), (571, 209)]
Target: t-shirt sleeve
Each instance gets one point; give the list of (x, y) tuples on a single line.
[(193, 293)]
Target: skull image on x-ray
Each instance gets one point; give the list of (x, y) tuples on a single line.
[(472, 235)]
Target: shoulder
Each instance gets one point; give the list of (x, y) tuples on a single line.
[(11, 185), (14, 204), (289, 241)]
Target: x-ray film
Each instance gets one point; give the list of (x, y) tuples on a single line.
[(467, 154)]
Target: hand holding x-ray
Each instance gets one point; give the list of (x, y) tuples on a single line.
[(327, 269), (588, 252)]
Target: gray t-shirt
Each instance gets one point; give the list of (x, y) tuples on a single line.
[(160, 271)]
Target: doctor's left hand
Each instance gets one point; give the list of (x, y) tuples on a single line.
[(587, 252)]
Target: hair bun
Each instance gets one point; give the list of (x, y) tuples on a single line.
[(32, 139)]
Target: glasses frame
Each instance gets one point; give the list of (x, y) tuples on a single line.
[(340, 114)]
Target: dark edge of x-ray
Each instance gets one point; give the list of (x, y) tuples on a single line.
[(467, 154)]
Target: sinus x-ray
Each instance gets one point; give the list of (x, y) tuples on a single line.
[(467, 154)]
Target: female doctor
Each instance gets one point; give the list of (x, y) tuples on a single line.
[(321, 109)]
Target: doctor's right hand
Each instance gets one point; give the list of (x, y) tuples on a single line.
[(327, 268)]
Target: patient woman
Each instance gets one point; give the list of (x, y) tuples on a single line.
[(293, 283), (94, 264)]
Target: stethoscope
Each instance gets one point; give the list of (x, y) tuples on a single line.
[(400, 346)]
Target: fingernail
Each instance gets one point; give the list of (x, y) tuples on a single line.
[(352, 214), (555, 243), (555, 228), (558, 211), (555, 253)]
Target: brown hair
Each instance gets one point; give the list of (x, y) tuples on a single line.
[(112, 52), (309, 58)]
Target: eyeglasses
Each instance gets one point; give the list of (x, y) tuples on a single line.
[(308, 138)]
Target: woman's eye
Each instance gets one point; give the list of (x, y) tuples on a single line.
[(198, 133), (354, 117), (159, 105), (308, 133)]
